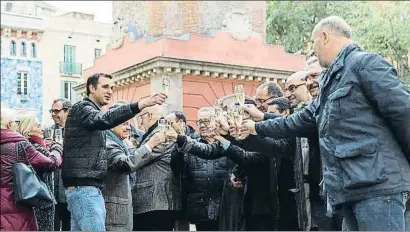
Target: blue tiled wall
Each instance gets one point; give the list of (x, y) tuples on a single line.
[(9, 70)]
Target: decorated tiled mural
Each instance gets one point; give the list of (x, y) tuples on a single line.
[(10, 71)]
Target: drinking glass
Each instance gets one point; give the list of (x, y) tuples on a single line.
[(238, 115), (58, 135), (240, 94), (162, 123), (218, 114), (47, 133), (212, 120), (166, 83)]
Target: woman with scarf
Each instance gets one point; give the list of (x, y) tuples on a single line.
[(18, 217), (30, 128), (123, 159)]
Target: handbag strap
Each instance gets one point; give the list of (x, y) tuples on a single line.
[(20, 148), (18, 158)]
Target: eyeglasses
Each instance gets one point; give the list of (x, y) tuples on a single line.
[(56, 111), (292, 88), (261, 101), (206, 122), (312, 76)]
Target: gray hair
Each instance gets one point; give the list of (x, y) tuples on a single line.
[(312, 62), (7, 115), (336, 25), (66, 103)]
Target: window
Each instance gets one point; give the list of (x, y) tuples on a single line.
[(22, 83), (13, 48), (9, 6), (69, 65), (33, 50), (67, 90), (23, 49), (97, 53), (69, 54)]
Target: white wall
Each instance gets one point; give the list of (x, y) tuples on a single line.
[(84, 35), (17, 21)]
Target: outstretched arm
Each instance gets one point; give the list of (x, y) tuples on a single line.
[(201, 150)]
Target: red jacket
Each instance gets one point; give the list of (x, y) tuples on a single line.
[(14, 217)]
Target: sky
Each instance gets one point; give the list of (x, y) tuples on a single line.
[(101, 9)]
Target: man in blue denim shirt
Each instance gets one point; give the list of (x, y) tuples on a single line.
[(362, 117)]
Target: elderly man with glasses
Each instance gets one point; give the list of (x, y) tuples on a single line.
[(203, 179), (156, 194), (312, 76), (296, 90), (59, 111), (266, 92)]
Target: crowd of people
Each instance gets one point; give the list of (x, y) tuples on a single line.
[(329, 153)]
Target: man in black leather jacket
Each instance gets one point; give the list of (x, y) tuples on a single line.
[(281, 157), (85, 163), (364, 133)]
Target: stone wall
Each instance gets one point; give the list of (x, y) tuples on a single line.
[(174, 18)]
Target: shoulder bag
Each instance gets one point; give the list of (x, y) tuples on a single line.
[(29, 190)]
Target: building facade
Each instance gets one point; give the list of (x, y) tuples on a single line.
[(205, 48), (21, 66), (43, 53), (69, 45), (175, 18)]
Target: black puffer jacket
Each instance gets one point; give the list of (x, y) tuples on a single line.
[(203, 183), (85, 161)]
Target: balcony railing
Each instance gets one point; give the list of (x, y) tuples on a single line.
[(68, 68)]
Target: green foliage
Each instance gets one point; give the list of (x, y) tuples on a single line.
[(384, 30)]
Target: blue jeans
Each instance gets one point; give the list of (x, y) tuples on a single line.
[(385, 213), (87, 208)]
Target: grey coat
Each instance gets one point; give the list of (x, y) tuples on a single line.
[(156, 188), (117, 192)]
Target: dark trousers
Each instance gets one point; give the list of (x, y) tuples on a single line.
[(210, 225), (160, 220), (288, 212), (323, 222), (182, 225), (260, 223), (62, 218)]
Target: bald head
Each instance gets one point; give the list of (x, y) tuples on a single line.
[(149, 116), (335, 25), (155, 110), (296, 78), (296, 90), (329, 37)]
